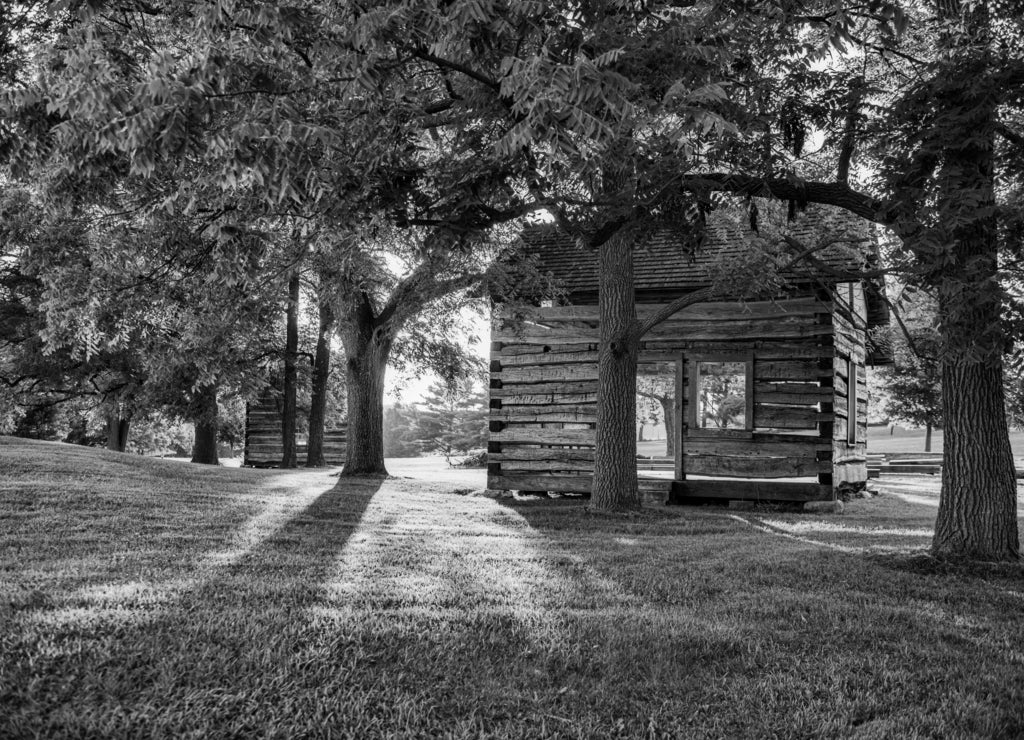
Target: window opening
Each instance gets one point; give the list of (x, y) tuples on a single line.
[(656, 422), (722, 395)]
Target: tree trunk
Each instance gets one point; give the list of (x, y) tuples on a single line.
[(927, 437), (204, 450), (615, 482), (669, 414), (291, 358), (318, 391), (117, 431), (367, 348), (978, 505)]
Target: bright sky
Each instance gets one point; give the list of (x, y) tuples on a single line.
[(413, 390)]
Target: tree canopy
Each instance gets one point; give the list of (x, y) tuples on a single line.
[(441, 121)]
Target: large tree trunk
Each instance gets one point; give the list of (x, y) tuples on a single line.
[(978, 505), (318, 392), (367, 348), (615, 483), (117, 431), (291, 358), (204, 450)]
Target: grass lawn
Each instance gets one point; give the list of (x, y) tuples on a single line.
[(912, 440), (152, 598)]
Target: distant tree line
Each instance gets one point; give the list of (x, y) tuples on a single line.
[(450, 422)]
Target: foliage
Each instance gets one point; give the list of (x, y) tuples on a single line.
[(159, 434), (453, 419), (722, 394), (401, 423), (914, 382)]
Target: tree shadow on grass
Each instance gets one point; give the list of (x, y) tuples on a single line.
[(204, 661), (808, 619)]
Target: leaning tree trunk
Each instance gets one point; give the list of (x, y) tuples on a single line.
[(668, 412), (615, 482), (318, 392), (366, 357), (204, 450), (117, 431), (291, 358)]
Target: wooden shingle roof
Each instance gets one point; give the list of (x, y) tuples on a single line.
[(665, 263)]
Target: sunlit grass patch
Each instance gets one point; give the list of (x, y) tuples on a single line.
[(161, 599)]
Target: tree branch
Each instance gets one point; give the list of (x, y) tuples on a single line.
[(443, 63), (825, 193)]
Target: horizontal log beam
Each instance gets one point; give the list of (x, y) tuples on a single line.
[(754, 467), (750, 490)]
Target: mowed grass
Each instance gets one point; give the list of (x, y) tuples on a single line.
[(901, 439), (152, 599)]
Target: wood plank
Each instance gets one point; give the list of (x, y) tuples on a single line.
[(546, 374), (742, 330), (544, 466), (530, 482), (800, 370), (788, 417), (568, 332), (757, 329), (547, 399), (763, 350), (530, 348), (547, 358), (570, 358), (542, 454), (554, 387), (819, 395), (756, 436), (705, 311), (794, 387), (750, 490), (578, 437), (754, 467), (544, 415), (795, 446)]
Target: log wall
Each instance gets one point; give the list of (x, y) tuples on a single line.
[(544, 393), (263, 447), (849, 451)]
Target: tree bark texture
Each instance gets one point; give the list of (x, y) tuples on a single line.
[(117, 431), (615, 482), (978, 505), (318, 390), (367, 348), (291, 359), (204, 449)]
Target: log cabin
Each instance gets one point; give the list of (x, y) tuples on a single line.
[(763, 399), (264, 442)]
